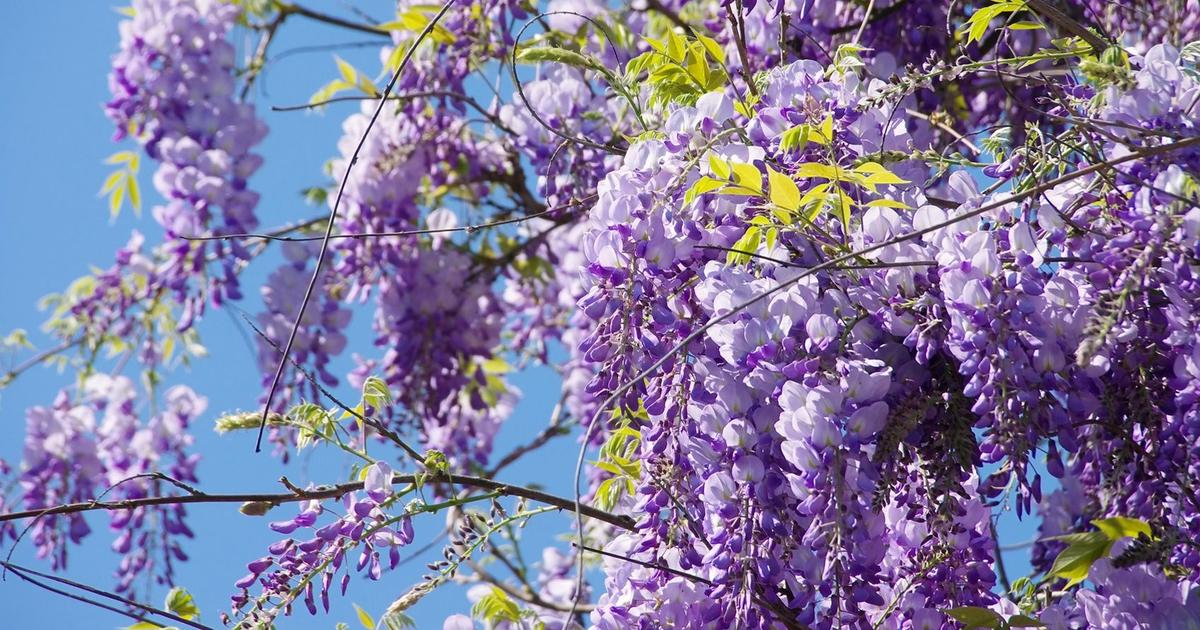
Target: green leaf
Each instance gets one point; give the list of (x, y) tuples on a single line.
[(711, 46), (315, 195), (1022, 621), (718, 166), (745, 245), (976, 617), (397, 620), (702, 185), (747, 176), (111, 181), (353, 78), (1120, 527), (364, 618), (375, 393), (784, 192), (540, 54), (877, 174), (496, 607), (888, 203), (1074, 562), (328, 91), (123, 157), (135, 195), (415, 20), (115, 199), (825, 131), (180, 602)]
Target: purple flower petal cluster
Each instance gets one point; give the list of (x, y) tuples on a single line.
[(173, 92), (76, 450), (308, 569)]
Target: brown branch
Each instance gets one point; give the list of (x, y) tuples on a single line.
[(290, 8), (524, 594), (1068, 24), (11, 375), (403, 97), (552, 430), (267, 500), (274, 236), (20, 572)]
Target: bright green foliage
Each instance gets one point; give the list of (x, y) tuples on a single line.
[(977, 617), (619, 457), (375, 393), (180, 603), (1083, 549), (496, 607), (122, 183), (350, 79), (977, 24), (679, 69)]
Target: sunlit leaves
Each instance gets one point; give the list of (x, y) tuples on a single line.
[(496, 607), (414, 19), (977, 25), (122, 183), (178, 602), (972, 617), (678, 69), (1084, 549), (350, 78), (784, 192), (375, 393), (619, 457), (798, 137)]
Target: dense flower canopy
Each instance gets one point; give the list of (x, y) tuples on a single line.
[(829, 284)]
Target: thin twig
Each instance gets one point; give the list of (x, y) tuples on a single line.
[(12, 374), (273, 236), (312, 284), (529, 107), (492, 118), (333, 20), (552, 430), (19, 571), (1068, 24)]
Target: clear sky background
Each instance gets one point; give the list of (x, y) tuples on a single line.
[(54, 62)]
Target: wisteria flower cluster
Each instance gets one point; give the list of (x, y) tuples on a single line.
[(830, 286)]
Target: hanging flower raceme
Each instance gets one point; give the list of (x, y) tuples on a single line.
[(75, 451), (174, 93)]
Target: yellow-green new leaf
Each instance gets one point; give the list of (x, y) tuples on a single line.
[(364, 618), (702, 185), (1075, 562), (878, 174), (1120, 527), (711, 46), (135, 194), (784, 192), (888, 203), (718, 166), (115, 199), (745, 246), (747, 176), (111, 181)]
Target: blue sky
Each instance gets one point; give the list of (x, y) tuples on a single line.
[(53, 138)]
